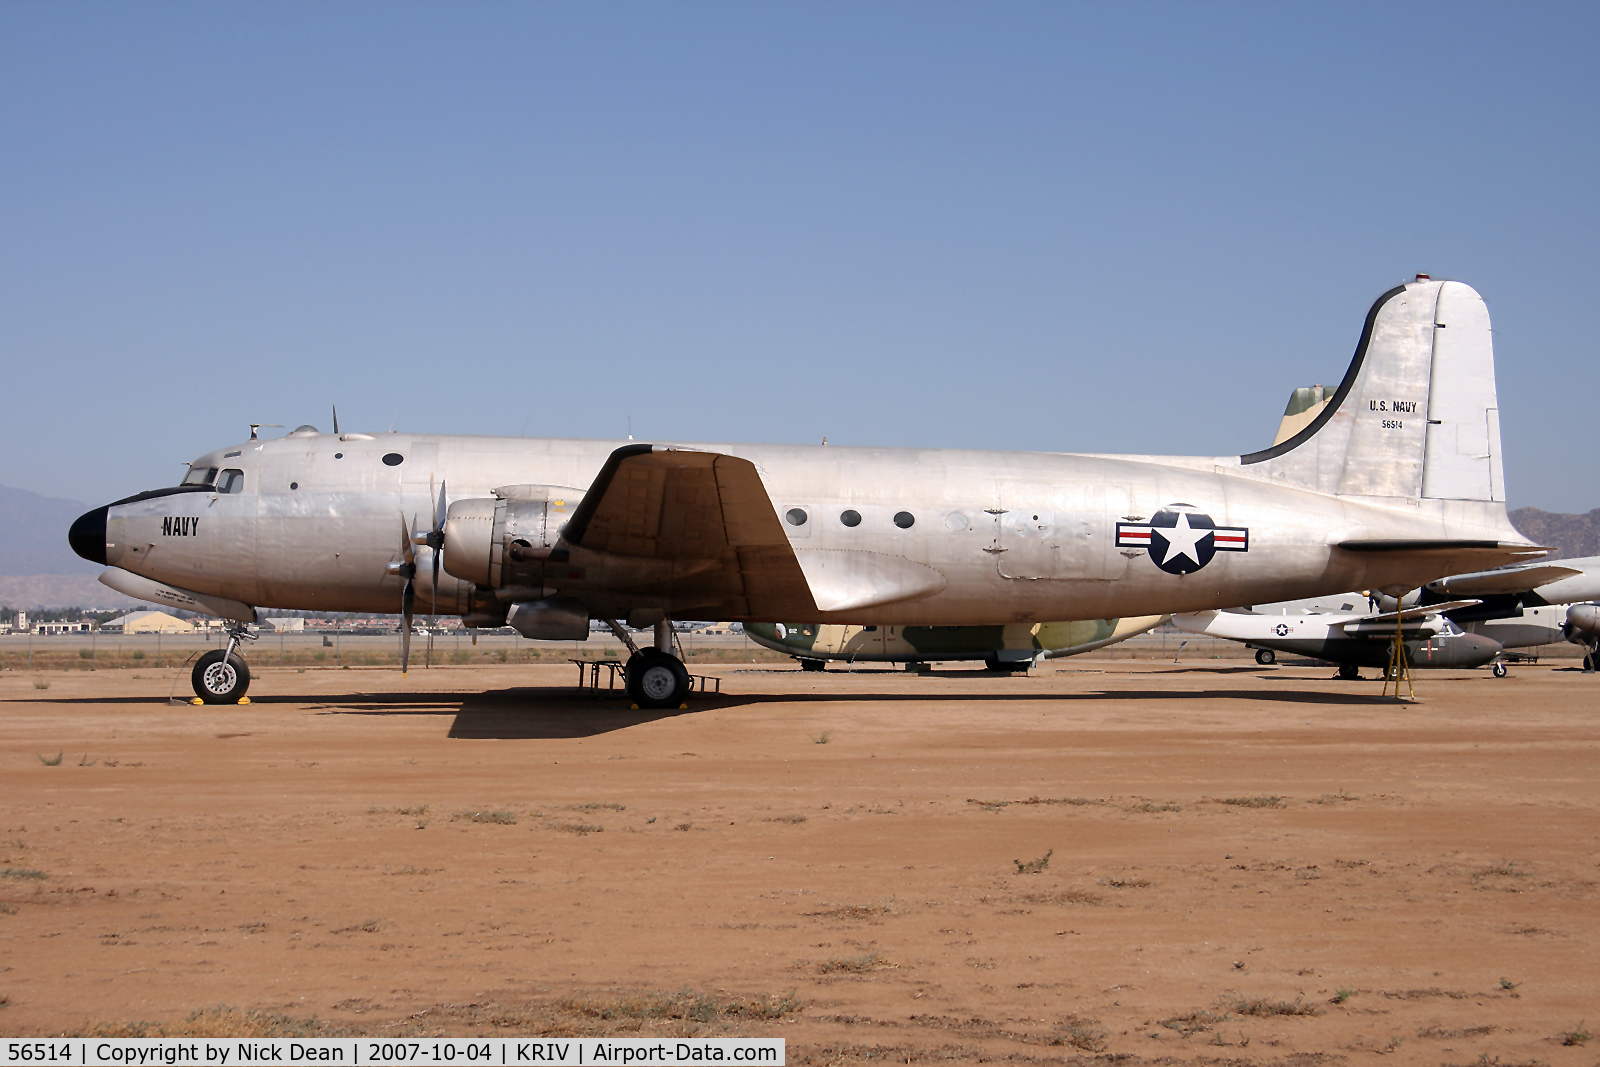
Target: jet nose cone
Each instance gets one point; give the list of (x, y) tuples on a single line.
[(88, 536)]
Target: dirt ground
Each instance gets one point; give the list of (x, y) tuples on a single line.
[(1204, 863)]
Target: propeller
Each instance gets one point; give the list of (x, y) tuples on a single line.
[(434, 539), (406, 568)]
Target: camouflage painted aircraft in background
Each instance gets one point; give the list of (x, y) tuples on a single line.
[(1351, 639), (1004, 648), (1396, 481)]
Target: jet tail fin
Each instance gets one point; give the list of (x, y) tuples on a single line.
[(1416, 415)]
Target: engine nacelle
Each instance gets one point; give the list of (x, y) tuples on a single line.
[(486, 538), (1583, 623)]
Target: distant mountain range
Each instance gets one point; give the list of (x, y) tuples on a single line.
[(33, 534), (1567, 535), (39, 570)]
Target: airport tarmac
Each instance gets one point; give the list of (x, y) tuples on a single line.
[(1203, 862)]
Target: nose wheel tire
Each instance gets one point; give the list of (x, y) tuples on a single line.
[(218, 680), (813, 665), (1350, 672), (1499, 670), (657, 679), (1266, 657)]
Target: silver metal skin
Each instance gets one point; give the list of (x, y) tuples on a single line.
[(1395, 483)]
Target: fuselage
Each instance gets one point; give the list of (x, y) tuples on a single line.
[(313, 521)]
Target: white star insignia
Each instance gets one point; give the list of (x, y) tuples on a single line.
[(1183, 540)]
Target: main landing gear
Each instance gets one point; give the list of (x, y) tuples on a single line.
[(657, 678), (221, 676), (1350, 672), (1266, 657)]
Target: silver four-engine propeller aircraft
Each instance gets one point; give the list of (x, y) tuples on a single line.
[(1397, 480)]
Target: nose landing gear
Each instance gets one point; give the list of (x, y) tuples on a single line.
[(221, 676)]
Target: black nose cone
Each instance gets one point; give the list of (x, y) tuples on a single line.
[(88, 536)]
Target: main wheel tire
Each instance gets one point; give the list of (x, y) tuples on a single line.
[(1499, 670), (1350, 672), (218, 682), (657, 679), (813, 664), (1266, 657)]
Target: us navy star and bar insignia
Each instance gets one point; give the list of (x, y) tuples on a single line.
[(1181, 540)]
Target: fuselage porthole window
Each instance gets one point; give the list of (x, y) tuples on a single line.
[(232, 481), (338, 455), (904, 519), (851, 518), (393, 459), (294, 485), (796, 516)]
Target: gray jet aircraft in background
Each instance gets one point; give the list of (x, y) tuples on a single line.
[(1395, 481)]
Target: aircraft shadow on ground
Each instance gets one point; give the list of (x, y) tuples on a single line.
[(533, 713), (556, 712)]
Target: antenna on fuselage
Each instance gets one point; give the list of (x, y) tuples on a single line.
[(336, 418)]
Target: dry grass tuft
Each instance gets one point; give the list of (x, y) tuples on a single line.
[(684, 1005), (1034, 866), (793, 820), (1150, 806), (1254, 802), (871, 961), (885, 906), (580, 828), (1080, 1035), (502, 817), (1503, 869), (1064, 896), (1195, 1022), (1126, 883), (1264, 1008), (23, 874)]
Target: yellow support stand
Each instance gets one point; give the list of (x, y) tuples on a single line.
[(1398, 667)]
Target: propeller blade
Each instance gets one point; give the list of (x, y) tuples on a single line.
[(407, 596), (436, 542)]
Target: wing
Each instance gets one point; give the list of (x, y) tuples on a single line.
[(1511, 580), (707, 518)]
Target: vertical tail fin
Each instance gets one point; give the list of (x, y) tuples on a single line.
[(1416, 414)]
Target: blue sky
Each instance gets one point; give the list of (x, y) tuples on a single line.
[(1129, 228)]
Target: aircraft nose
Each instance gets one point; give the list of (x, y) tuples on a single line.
[(1478, 648), (88, 535)]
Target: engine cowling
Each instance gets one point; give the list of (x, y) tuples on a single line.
[(486, 538), (1583, 623)]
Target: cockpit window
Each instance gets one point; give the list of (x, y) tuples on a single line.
[(200, 476), (232, 481)]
